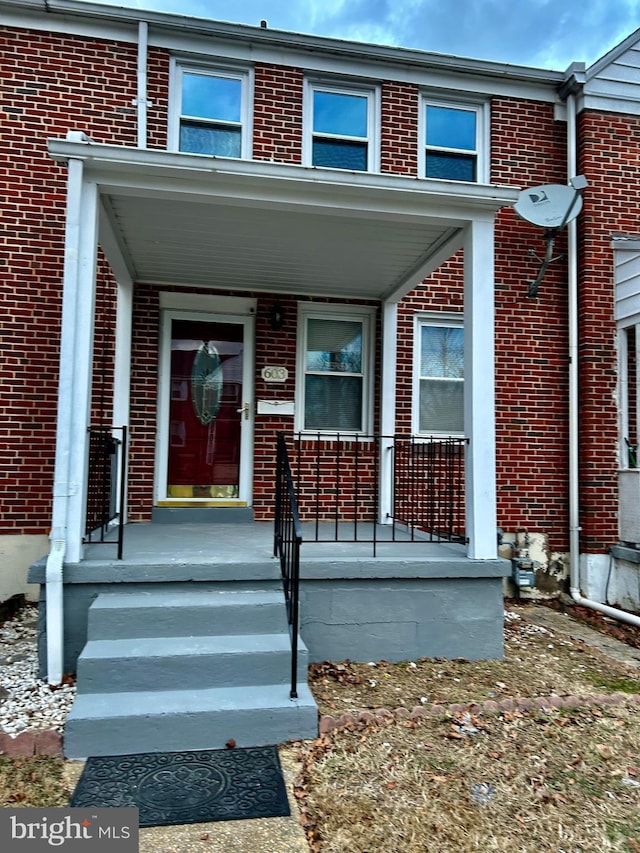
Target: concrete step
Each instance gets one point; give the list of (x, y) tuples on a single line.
[(169, 721), (114, 616), (187, 663)]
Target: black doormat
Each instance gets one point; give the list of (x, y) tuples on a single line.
[(187, 787)]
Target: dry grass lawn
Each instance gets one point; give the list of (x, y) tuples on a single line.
[(38, 782), (562, 780)]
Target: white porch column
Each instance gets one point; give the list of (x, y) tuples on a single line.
[(74, 388), (389, 357), (122, 370), (76, 360), (479, 390)]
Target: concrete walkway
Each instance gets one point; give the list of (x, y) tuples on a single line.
[(564, 624), (266, 835)]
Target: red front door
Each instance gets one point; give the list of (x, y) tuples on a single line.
[(206, 408)]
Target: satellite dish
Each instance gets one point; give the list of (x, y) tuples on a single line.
[(550, 206)]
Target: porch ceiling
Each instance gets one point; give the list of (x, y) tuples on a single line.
[(182, 219), (216, 244)]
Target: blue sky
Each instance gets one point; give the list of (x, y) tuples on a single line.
[(542, 33)]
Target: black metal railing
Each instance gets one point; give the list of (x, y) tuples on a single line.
[(338, 487), (106, 483), (287, 540), (429, 488)]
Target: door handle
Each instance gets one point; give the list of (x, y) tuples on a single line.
[(245, 409)]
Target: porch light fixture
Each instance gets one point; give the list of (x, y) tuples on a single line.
[(276, 317)]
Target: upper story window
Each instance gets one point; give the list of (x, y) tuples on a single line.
[(211, 113), (439, 376), (335, 349), (341, 128), (452, 139)]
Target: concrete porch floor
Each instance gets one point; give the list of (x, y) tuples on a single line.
[(412, 599), (175, 544)]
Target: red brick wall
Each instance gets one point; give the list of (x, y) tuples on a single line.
[(610, 158), (272, 348), (49, 84), (104, 345), (145, 346), (399, 137), (158, 96), (277, 114), (528, 148)]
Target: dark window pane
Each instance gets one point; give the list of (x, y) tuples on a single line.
[(451, 128), (451, 167), (204, 96), (441, 406), (340, 155), (344, 115), (207, 139), (333, 402)]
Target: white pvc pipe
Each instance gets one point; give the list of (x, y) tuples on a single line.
[(62, 476), (620, 615), (141, 98), (574, 491)]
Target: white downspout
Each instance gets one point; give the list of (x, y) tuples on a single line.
[(62, 475), (574, 490), (141, 101)]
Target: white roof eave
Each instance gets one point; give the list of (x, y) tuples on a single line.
[(396, 192)]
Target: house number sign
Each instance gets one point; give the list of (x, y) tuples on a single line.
[(275, 373)]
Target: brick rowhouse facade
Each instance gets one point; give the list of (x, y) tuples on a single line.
[(53, 82)]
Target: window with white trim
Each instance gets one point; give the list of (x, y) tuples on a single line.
[(335, 351), (452, 140), (438, 376), (629, 392), (341, 127), (210, 111)]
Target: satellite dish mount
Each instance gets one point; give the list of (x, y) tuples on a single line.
[(552, 207)]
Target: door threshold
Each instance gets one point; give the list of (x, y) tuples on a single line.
[(194, 504), (190, 514)]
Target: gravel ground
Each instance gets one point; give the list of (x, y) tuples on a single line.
[(27, 703)]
